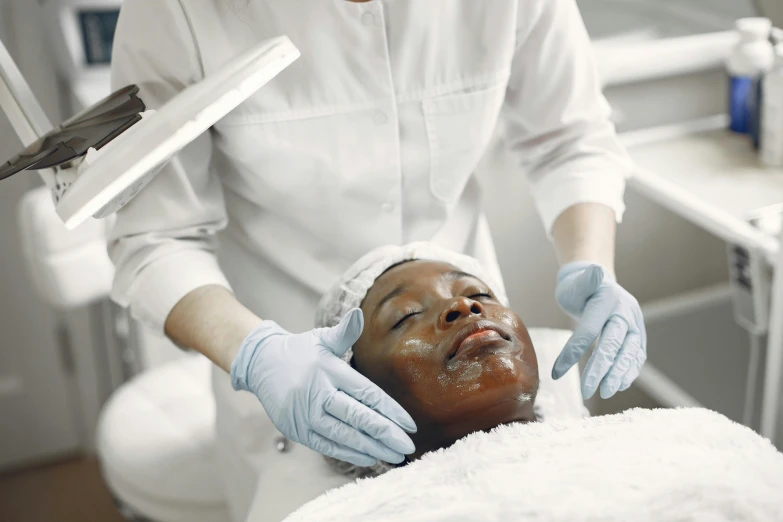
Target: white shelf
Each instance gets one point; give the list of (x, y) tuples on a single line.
[(621, 62), (636, 40), (711, 177)]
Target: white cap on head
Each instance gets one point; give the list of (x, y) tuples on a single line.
[(352, 288)]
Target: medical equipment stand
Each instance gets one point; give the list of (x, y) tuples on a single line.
[(119, 359), (713, 179)]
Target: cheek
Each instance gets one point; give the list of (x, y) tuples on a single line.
[(413, 363), (497, 372), (515, 324), (510, 319)]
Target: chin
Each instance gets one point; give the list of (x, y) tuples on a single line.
[(518, 407), (496, 401), (503, 374)]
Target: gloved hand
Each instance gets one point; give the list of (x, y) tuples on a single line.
[(587, 292), (316, 399)]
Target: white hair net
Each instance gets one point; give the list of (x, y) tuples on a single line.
[(349, 292), (352, 288)]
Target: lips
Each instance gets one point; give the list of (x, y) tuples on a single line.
[(476, 334)]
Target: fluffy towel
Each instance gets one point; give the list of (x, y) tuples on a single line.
[(641, 465)]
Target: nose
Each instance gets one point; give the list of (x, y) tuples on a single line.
[(461, 307)]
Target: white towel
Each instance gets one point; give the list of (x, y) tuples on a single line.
[(640, 465)]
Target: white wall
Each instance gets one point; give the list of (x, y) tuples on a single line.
[(31, 52)]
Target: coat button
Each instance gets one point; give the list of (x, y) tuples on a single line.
[(281, 444), (368, 19), (388, 207), (380, 118)]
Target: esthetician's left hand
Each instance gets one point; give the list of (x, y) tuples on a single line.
[(605, 311)]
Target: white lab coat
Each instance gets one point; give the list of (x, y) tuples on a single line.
[(371, 137)]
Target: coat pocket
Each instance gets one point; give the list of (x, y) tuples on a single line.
[(459, 128)]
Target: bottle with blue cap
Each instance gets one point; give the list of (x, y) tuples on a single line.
[(751, 58)]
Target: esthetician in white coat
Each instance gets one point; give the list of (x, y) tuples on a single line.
[(370, 138)]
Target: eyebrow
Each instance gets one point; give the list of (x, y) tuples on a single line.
[(457, 274), (388, 297), (450, 276)]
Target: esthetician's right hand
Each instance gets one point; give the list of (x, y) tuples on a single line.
[(314, 398)]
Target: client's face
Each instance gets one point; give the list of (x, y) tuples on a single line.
[(441, 345)]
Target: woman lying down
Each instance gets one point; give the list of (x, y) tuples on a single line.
[(440, 339)]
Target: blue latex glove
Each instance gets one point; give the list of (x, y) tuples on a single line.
[(316, 399), (604, 310)]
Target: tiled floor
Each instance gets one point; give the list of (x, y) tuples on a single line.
[(68, 491)]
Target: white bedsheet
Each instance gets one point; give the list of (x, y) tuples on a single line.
[(685, 464)]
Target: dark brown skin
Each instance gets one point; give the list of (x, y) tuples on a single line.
[(492, 380)]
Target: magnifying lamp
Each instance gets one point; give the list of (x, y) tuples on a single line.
[(97, 161)]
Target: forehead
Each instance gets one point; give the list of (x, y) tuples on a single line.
[(412, 274)]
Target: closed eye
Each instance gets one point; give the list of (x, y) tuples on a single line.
[(405, 318), (476, 296)]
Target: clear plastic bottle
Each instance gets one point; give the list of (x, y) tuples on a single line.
[(751, 58), (772, 113)]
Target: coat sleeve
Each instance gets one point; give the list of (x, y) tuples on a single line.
[(163, 241), (557, 120)]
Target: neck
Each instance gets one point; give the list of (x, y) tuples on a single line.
[(434, 435)]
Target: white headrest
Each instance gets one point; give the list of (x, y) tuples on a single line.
[(69, 268)]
